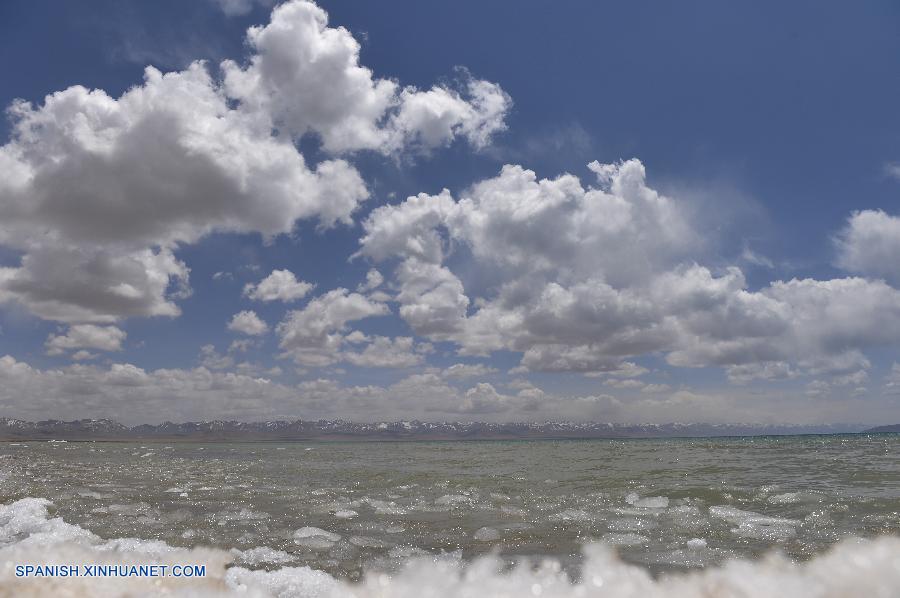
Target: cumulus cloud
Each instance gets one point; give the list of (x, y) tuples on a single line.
[(115, 185), (584, 277), (280, 285), (869, 244), (85, 336), (132, 395), (315, 335), (320, 334), (374, 279), (385, 352), (305, 77), (212, 359), (95, 284), (247, 322), (242, 345), (462, 371)]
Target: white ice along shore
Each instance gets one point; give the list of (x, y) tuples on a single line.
[(29, 535)]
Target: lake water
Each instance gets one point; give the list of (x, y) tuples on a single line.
[(312, 519)]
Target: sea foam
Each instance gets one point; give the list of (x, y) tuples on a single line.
[(28, 534)]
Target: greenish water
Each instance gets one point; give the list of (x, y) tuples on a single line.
[(667, 504)]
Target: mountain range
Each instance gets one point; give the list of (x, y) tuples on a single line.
[(105, 429)]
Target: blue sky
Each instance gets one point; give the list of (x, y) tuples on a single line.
[(734, 263)]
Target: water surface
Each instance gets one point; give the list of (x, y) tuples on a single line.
[(346, 508)]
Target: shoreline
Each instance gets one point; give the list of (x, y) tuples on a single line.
[(354, 439)]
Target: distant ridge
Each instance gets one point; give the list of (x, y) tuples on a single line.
[(105, 429), (893, 428)]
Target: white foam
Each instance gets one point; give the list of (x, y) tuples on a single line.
[(30, 535), (346, 514), (289, 582)]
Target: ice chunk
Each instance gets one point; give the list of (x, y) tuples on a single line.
[(795, 497), (315, 532), (315, 538), (573, 515), (651, 502), (756, 525), (452, 499), (625, 539), (486, 534), (630, 524), (369, 542), (261, 555), (27, 521), (696, 543)]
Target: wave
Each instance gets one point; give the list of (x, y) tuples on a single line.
[(29, 535)]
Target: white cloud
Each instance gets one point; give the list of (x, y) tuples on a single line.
[(305, 77), (78, 284), (583, 278), (755, 259), (280, 285), (384, 352), (625, 384), (212, 359), (319, 335), (869, 244), (315, 335), (374, 279), (768, 370), (468, 370), (484, 398), (131, 394), (247, 322), (892, 380), (242, 345), (86, 336), (656, 388), (116, 185)]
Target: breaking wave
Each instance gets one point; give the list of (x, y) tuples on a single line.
[(29, 535)]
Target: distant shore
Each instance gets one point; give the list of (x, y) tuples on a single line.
[(104, 430)]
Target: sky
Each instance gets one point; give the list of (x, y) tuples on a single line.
[(607, 211)]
